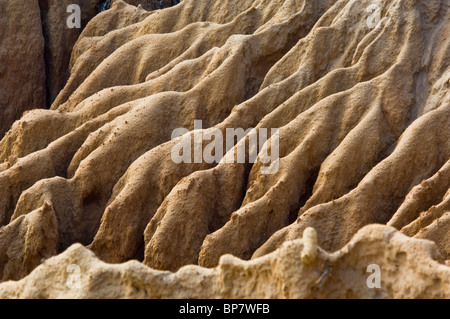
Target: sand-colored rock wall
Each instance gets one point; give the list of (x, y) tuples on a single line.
[(363, 112)]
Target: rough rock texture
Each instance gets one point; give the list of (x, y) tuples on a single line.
[(26, 241), (35, 50), (281, 274), (364, 119), (150, 5), (59, 39), (22, 66)]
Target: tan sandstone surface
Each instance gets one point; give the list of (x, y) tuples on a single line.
[(22, 64), (35, 50), (364, 138), (281, 274)]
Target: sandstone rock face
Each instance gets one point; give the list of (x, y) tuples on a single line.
[(35, 49), (26, 242), (360, 95), (22, 66), (281, 274), (60, 39), (153, 4)]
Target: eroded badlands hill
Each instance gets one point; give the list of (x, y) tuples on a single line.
[(363, 113), (281, 274), (36, 45)]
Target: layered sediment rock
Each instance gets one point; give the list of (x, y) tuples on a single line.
[(363, 112)]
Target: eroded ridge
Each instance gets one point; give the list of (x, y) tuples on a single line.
[(364, 136), (281, 274)]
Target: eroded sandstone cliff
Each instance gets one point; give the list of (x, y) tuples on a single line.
[(281, 274), (36, 45), (363, 113)]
